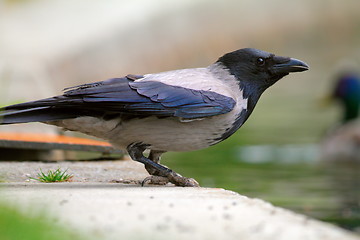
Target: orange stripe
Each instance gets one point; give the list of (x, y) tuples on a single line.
[(47, 138)]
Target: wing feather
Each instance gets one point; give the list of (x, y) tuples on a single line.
[(122, 95)]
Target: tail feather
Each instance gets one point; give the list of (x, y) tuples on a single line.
[(77, 101), (47, 102), (37, 114)]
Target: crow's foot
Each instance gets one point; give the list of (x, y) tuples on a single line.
[(159, 173), (156, 180), (172, 177)]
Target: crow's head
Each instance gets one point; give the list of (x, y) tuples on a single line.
[(258, 70)]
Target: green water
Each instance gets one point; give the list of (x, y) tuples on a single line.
[(328, 193)]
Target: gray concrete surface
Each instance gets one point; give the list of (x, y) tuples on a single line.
[(99, 208), (82, 171)]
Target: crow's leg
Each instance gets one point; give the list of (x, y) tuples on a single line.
[(159, 173), (155, 157), (156, 176)]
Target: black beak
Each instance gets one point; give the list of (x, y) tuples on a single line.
[(291, 65)]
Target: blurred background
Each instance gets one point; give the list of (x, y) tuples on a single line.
[(281, 154)]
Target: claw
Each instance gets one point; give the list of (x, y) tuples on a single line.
[(156, 180), (173, 178), (179, 180), (190, 182)]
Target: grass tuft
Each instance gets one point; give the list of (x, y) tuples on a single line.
[(53, 176)]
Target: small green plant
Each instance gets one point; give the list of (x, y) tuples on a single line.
[(53, 176)]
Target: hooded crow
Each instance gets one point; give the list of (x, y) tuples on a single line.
[(180, 110)]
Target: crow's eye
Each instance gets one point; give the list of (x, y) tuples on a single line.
[(260, 61)]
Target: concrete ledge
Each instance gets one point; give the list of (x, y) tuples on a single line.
[(128, 211), (118, 211)]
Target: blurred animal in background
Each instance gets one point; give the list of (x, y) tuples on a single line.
[(340, 149), (347, 92), (180, 110), (343, 142)]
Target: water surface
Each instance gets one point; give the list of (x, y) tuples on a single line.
[(286, 176)]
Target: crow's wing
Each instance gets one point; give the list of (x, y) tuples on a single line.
[(122, 95)]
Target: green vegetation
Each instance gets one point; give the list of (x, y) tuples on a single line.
[(15, 225), (53, 176)]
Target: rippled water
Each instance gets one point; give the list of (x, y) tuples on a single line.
[(288, 176)]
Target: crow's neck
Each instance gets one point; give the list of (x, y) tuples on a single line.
[(252, 95)]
